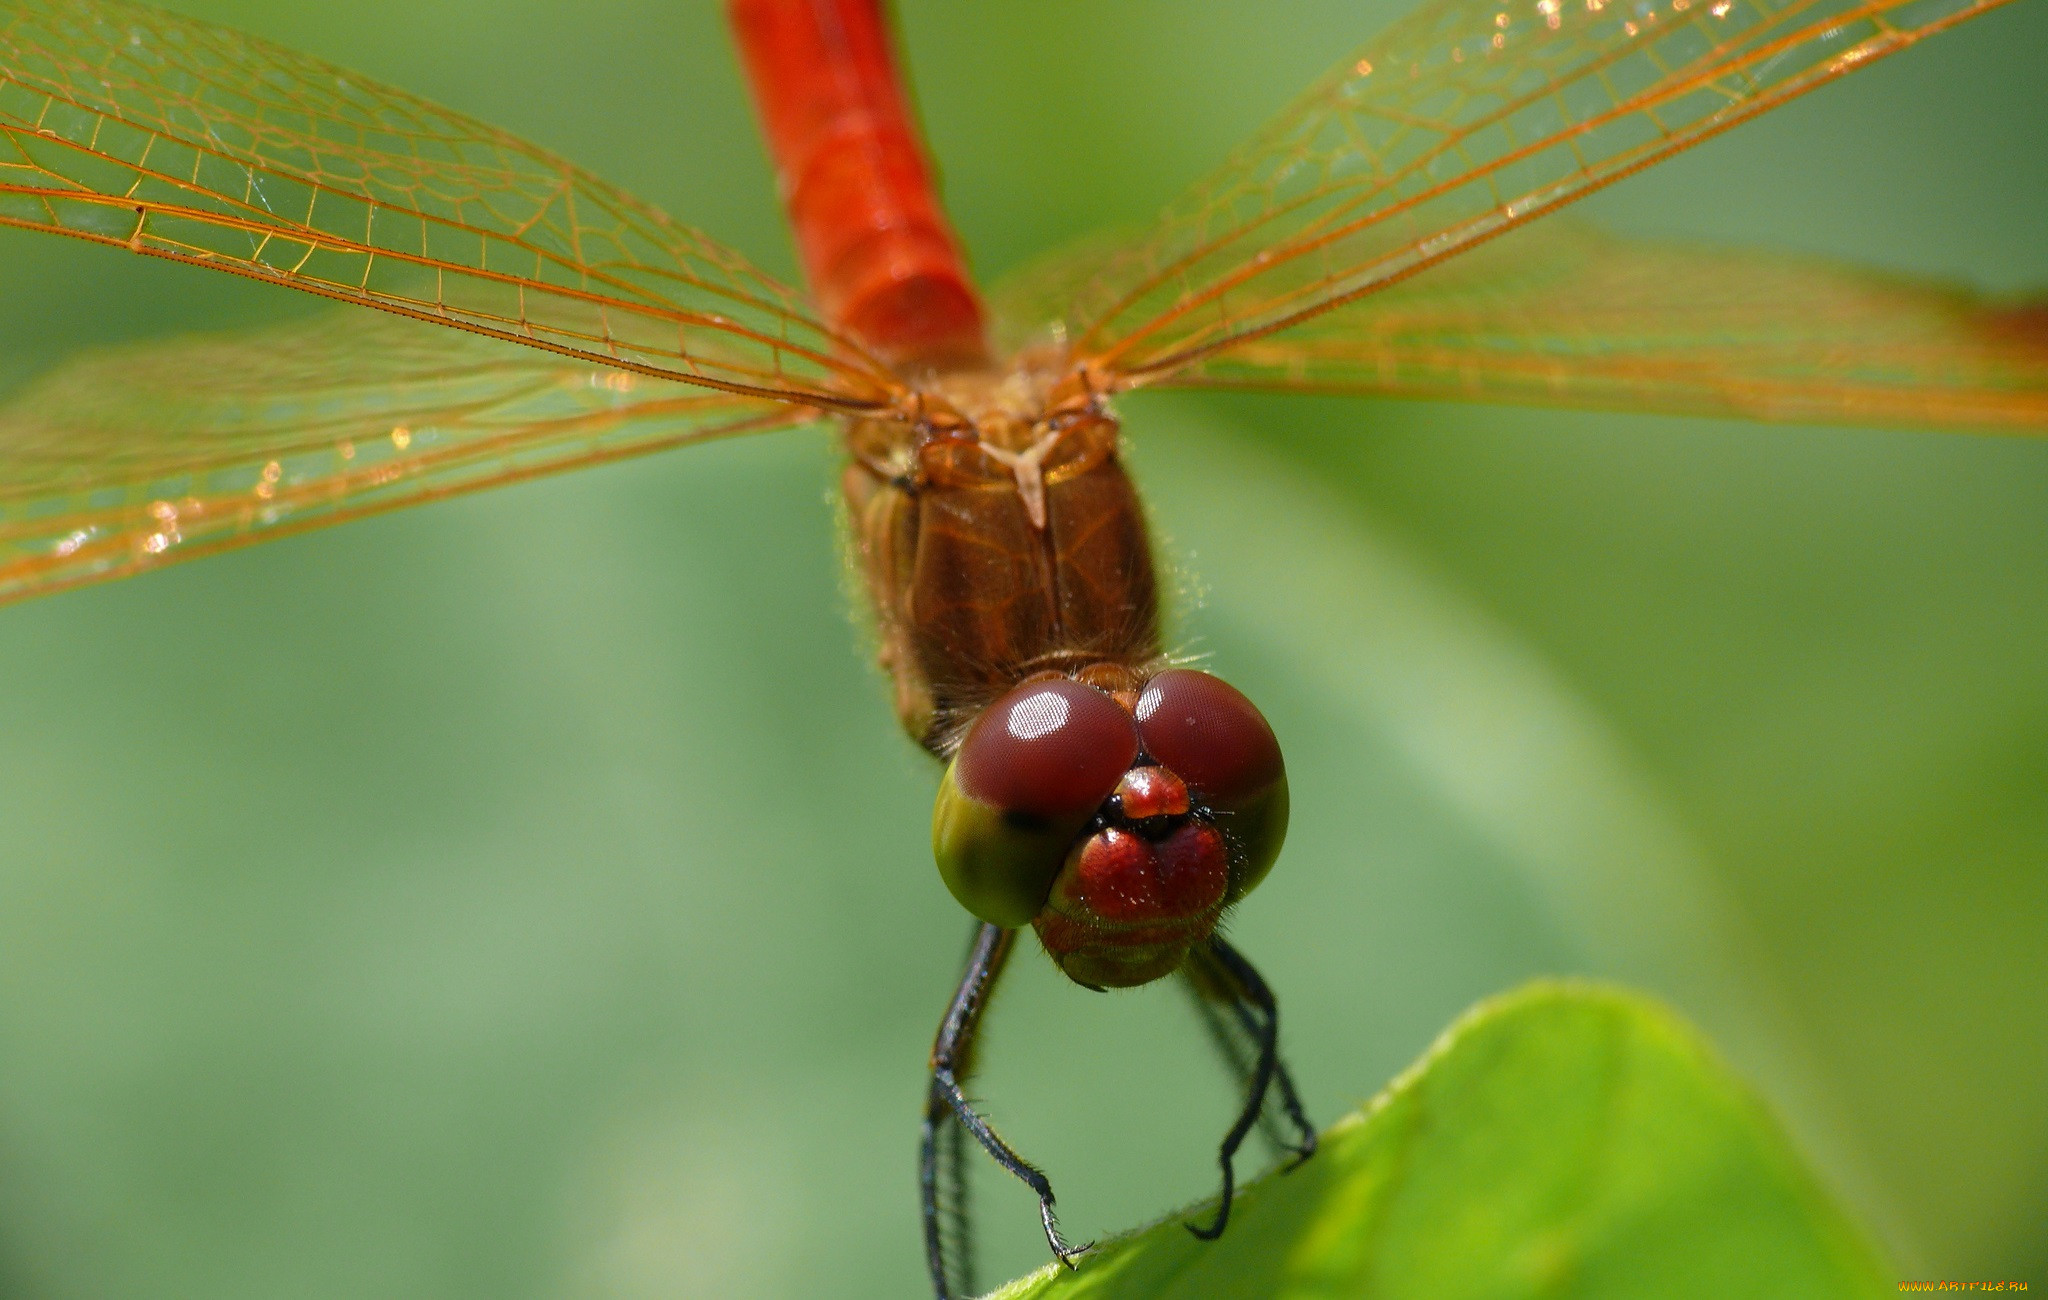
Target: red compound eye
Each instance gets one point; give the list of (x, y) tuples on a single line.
[(1210, 735), (1050, 749), (1034, 769)]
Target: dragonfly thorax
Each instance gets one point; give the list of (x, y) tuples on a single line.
[(996, 547)]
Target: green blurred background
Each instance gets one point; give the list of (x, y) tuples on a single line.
[(529, 895)]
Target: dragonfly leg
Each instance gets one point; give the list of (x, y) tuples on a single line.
[(1234, 1026), (1247, 1028), (945, 1103), (943, 1192)]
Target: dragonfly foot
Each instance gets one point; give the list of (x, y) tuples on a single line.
[(1061, 1250), (1215, 1230), (1302, 1151)]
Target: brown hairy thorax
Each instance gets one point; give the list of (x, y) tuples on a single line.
[(999, 537)]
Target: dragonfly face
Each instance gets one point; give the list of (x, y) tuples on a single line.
[(1117, 818)]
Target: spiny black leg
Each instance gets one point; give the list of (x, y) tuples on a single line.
[(1265, 1037), (1304, 1144), (1232, 1028), (942, 1182), (1220, 971), (952, 1061), (954, 1153), (942, 1152)]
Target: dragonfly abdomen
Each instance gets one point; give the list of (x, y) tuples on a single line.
[(876, 246)]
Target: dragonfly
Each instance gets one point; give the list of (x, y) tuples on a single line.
[(530, 318)]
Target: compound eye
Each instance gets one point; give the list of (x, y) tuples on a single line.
[(1032, 772), (1217, 741), (1048, 749), (1213, 738)]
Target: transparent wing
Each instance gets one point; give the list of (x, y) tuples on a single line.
[(137, 456), (139, 128), (1561, 313), (1465, 119)]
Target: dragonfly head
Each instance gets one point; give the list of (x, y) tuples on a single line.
[(1119, 823)]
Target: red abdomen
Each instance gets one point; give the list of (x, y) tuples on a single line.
[(875, 244)]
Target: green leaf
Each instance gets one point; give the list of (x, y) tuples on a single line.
[(1561, 1140)]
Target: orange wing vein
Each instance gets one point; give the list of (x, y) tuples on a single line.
[(134, 127), (1564, 314), (1462, 121), (132, 457)]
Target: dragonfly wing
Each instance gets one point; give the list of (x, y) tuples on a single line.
[(1463, 120), (136, 456), (1565, 314), (139, 128)]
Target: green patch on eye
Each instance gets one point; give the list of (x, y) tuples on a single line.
[(999, 864)]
